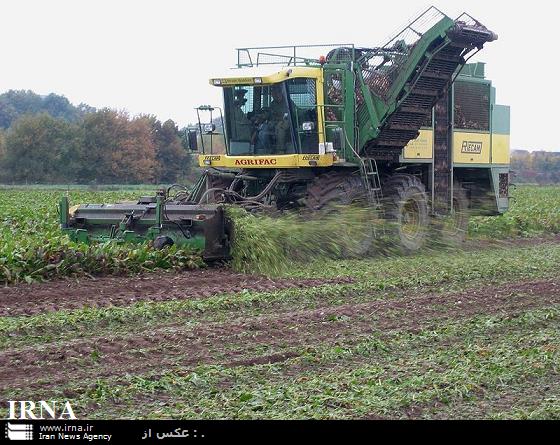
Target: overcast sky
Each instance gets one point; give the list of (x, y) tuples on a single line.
[(157, 56)]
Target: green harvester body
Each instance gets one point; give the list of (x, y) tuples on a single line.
[(365, 107)]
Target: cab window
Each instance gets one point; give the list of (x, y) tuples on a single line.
[(258, 120), (303, 110)]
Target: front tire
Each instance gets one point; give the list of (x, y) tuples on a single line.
[(328, 193), (161, 242)]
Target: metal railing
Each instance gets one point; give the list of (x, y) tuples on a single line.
[(294, 55), (381, 66)]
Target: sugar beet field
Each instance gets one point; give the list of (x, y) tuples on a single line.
[(121, 333)]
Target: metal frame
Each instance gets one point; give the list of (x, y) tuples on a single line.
[(211, 109), (293, 59)]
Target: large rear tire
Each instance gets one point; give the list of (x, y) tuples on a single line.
[(452, 229), (406, 210), (327, 195)]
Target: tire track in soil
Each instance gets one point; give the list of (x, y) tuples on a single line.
[(241, 341), (118, 291)]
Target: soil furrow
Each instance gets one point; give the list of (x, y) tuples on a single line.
[(118, 291), (242, 340)]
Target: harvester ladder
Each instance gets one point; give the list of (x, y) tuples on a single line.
[(372, 182)]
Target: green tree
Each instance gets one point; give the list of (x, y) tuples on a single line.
[(41, 148), (17, 103), (100, 130), (2, 155), (172, 158), (2, 145)]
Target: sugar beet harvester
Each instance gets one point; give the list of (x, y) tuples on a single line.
[(408, 128)]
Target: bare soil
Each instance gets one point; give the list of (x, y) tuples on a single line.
[(68, 294), (239, 340)]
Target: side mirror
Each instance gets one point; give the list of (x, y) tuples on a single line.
[(209, 128), (192, 140)]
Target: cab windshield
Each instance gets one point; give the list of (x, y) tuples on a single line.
[(269, 119)]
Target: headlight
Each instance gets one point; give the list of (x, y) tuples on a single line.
[(257, 80), (207, 162), (216, 81), (308, 126)]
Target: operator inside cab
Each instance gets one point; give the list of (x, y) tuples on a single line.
[(242, 127), (273, 119)]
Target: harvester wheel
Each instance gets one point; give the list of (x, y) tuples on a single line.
[(406, 209), (325, 196), (162, 241), (453, 229)]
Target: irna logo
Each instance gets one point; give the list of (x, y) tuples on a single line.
[(26, 409)]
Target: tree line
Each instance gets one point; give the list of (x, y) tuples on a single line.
[(46, 139), (541, 167)]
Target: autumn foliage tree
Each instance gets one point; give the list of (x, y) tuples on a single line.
[(542, 167), (117, 149), (105, 146), (172, 158)]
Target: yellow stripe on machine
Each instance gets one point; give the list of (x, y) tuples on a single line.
[(278, 161), (270, 79), (500, 148)]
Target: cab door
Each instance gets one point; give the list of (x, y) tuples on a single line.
[(338, 110)]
